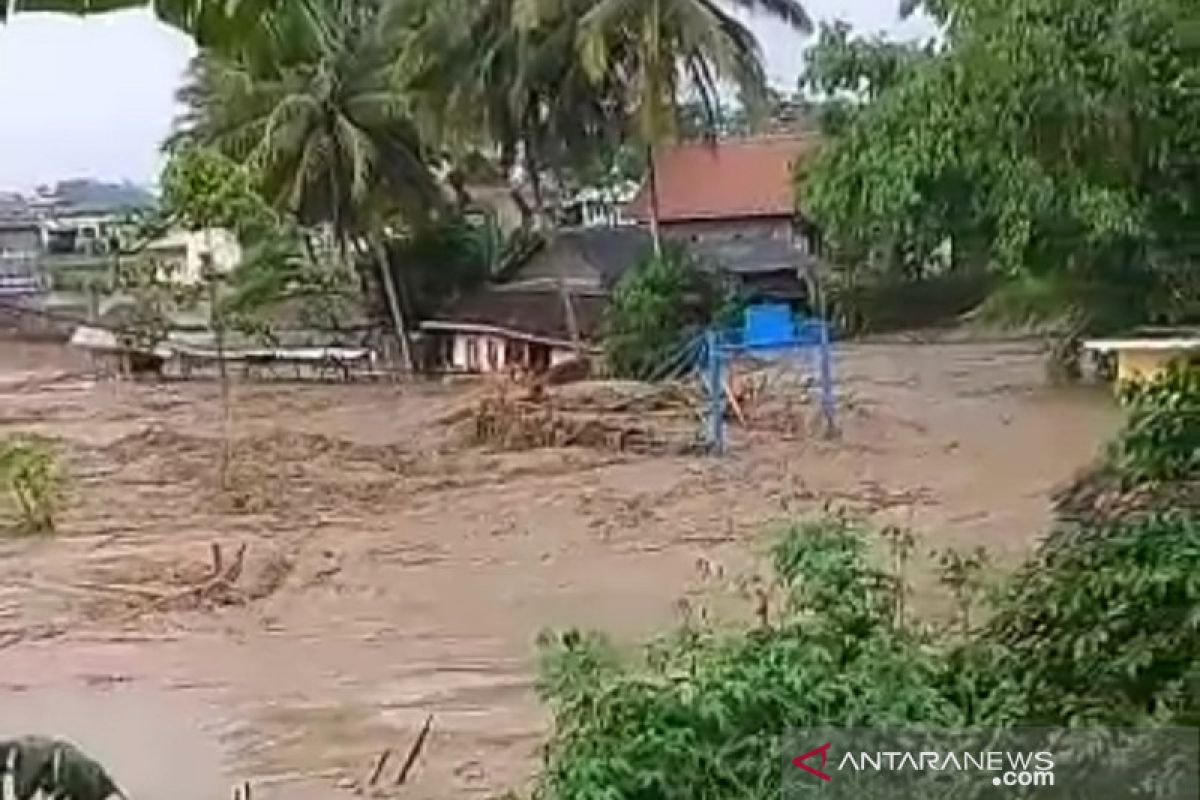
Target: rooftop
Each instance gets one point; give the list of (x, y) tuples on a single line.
[(733, 179)]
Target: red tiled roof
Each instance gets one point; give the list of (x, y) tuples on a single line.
[(726, 180)]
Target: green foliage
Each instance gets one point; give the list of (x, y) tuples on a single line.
[(1100, 627), (1097, 628), (656, 309), (319, 117), (1161, 439), (1043, 137), (700, 715), (280, 278), (839, 63), (203, 189), (31, 477), (441, 261), (155, 295)]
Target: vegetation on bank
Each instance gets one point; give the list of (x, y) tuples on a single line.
[(657, 308), (32, 481), (1097, 628)]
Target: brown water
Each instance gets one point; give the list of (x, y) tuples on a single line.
[(397, 574)]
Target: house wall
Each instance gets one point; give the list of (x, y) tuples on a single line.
[(746, 228), (20, 242), (490, 353), (770, 227), (186, 250)]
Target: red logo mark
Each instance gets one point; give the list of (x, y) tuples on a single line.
[(823, 751)]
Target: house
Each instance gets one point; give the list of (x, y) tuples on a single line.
[(185, 253), (86, 217), (598, 206), (530, 320), (733, 203), (20, 255)]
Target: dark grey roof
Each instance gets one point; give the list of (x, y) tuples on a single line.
[(611, 251), (750, 255)]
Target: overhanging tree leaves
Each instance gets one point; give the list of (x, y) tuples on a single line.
[(1045, 136), (322, 119)]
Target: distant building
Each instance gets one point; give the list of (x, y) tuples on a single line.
[(598, 206), (20, 255), (185, 253), (88, 217), (525, 322), (734, 204)]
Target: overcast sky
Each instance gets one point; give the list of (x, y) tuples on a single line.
[(95, 97)]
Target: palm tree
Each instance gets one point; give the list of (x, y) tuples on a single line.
[(496, 73), (319, 116), (507, 73), (672, 46)]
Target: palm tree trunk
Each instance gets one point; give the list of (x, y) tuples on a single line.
[(655, 231), (393, 301)]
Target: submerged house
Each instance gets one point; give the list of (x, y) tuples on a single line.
[(550, 307), (733, 203)]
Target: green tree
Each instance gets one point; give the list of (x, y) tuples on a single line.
[(323, 121), (232, 26), (665, 48), (203, 189), (1047, 140), (656, 309)]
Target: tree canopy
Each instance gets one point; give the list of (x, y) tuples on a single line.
[(1052, 139)]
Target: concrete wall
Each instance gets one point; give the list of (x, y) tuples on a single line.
[(20, 242), (784, 228), (699, 230), (187, 249), (486, 353)]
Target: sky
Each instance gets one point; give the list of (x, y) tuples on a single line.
[(95, 97)]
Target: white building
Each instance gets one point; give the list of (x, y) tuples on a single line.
[(186, 252)]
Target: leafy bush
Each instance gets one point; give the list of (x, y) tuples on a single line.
[(701, 714), (1161, 439), (657, 308), (156, 295), (440, 262), (280, 281), (30, 475), (1100, 627)]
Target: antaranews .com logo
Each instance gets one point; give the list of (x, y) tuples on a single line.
[(1033, 763), (1007, 768)]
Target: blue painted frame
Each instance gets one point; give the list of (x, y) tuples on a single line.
[(766, 329)]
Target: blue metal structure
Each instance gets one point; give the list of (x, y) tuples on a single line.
[(767, 329)]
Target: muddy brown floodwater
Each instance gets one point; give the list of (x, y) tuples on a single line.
[(393, 572)]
